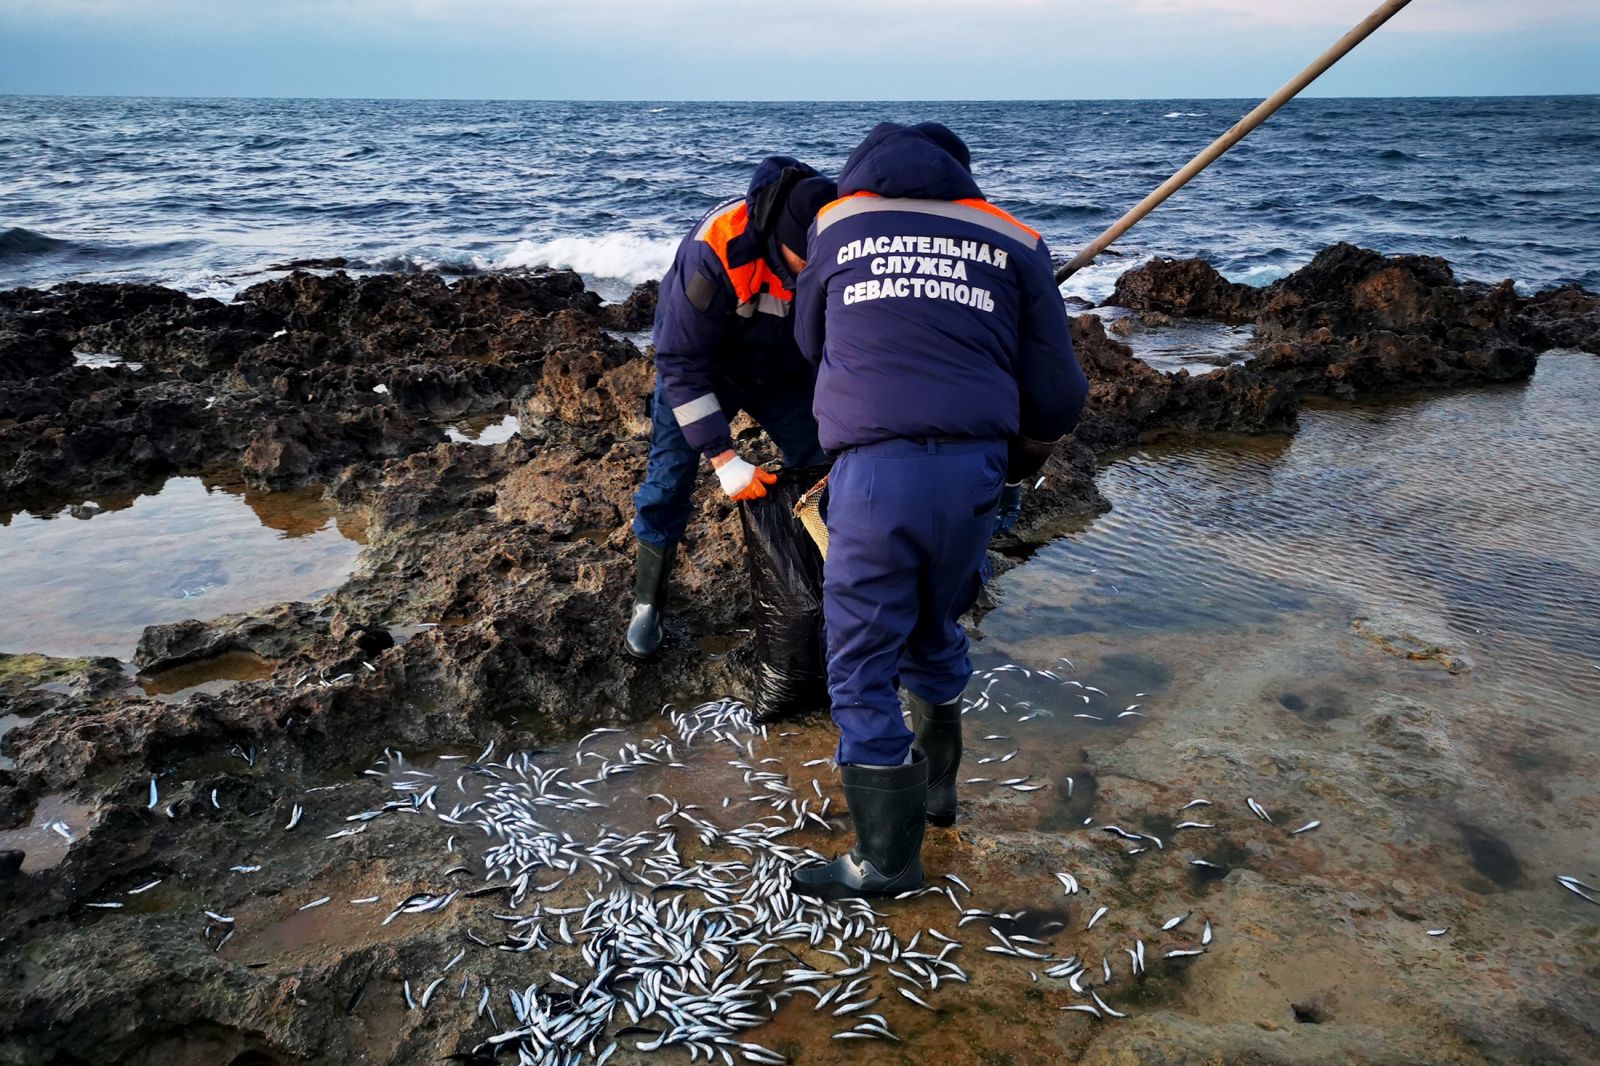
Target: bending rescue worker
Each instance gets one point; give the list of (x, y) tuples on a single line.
[(724, 343), (946, 372)]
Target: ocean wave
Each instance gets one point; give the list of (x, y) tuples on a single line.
[(631, 257), (1184, 114), (19, 243)]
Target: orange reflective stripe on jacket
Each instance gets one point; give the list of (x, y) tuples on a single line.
[(978, 212), (755, 283)]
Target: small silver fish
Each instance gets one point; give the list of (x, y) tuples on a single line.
[(1308, 827), (1101, 913), (1173, 923), (111, 906), (1183, 953), (1258, 810), (917, 1000), (225, 919), (1577, 887), (1439, 932), (316, 903), (294, 816), (1205, 935), (155, 797), (144, 887), (1102, 1005), (1194, 803)]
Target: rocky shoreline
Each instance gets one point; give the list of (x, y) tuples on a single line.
[(515, 555)]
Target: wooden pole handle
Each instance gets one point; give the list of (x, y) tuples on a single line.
[(1214, 150)]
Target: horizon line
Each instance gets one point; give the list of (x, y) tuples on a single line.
[(776, 100)]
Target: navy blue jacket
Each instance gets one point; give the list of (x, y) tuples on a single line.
[(932, 313), (725, 310)]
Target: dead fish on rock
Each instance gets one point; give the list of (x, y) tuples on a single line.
[(1258, 810), (1577, 887)]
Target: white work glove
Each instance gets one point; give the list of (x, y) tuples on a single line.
[(742, 480)]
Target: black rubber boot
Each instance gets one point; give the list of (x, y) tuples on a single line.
[(649, 600), (888, 805), (938, 736)]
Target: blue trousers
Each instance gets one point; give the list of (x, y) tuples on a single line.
[(666, 499), (908, 528)]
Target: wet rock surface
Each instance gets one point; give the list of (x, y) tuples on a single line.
[(489, 600), (1354, 322)]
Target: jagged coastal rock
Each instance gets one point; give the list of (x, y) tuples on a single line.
[(489, 597)]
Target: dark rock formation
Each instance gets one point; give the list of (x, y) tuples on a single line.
[(1567, 317), (1189, 287), (1355, 322), (31, 355), (272, 634), (635, 313)]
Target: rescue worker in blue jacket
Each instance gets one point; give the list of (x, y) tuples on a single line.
[(946, 372), (724, 341)]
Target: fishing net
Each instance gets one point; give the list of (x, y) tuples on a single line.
[(786, 573)]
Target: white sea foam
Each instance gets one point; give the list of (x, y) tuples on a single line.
[(1260, 275), (630, 257), (1095, 281)]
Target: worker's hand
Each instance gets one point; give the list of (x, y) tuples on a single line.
[(741, 480), (1010, 509)]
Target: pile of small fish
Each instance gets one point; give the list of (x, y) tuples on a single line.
[(694, 952), (687, 933)]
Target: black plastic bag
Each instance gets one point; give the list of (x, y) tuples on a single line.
[(786, 574)]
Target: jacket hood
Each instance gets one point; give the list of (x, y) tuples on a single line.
[(905, 161), (771, 181), (769, 189)]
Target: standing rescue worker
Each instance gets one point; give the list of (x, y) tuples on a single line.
[(946, 373), (724, 341)]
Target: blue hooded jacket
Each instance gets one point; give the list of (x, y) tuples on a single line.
[(931, 312), (725, 309)]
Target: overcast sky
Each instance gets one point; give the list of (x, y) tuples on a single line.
[(824, 49)]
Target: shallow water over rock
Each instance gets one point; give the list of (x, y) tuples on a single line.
[(87, 579), (484, 430), (1462, 529)]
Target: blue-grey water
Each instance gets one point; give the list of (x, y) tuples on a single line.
[(201, 194)]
